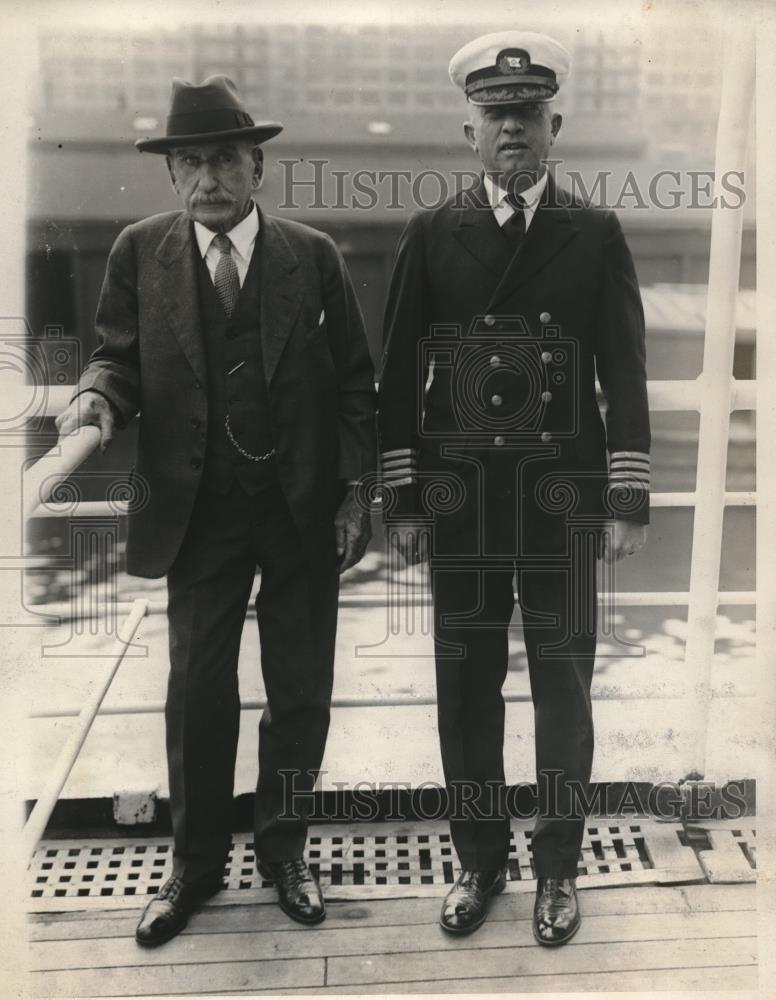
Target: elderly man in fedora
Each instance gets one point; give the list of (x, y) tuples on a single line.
[(504, 305), (238, 338)]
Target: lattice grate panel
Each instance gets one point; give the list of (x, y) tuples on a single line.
[(138, 867)]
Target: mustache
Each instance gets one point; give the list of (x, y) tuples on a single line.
[(215, 200)]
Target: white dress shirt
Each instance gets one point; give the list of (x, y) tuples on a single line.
[(503, 210), (243, 238)]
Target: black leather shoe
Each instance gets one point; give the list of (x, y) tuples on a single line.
[(168, 912), (299, 894), (556, 917), (466, 905)]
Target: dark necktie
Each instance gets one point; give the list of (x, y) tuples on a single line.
[(227, 280), (514, 227)]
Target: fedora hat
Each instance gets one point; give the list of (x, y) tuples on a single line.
[(207, 112)]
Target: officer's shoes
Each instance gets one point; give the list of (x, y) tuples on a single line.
[(466, 905), (169, 911), (556, 916)]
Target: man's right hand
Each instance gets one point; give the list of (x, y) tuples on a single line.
[(89, 408), (411, 540)]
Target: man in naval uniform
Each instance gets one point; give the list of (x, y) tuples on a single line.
[(238, 339), (504, 305)]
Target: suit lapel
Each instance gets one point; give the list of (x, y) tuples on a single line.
[(478, 232), (551, 228), (281, 294), (178, 293)]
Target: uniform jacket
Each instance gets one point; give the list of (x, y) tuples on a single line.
[(150, 358), (516, 341)]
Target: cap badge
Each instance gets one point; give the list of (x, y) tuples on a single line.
[(513, 61)]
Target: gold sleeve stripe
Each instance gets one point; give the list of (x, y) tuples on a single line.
[(406, 481)]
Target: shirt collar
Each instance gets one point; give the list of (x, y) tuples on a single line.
[(242, 236), (531, 195)]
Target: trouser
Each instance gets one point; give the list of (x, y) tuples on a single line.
[(473, 605), (209, 587)]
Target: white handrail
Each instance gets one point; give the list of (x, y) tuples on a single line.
[(764, 675), (100, 508), (422, 699), (69, 453), (64, 611), (716, 381), (53, 468), (36, 823)]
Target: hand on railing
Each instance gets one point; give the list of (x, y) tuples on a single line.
[(86, 424), (89, 408)]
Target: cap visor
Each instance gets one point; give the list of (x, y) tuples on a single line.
[(513, 93)]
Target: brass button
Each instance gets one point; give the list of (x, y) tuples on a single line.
[(490, 321), (498, 441), (195, 422), (544, 317), (495, 361), (546, 437), (546, 357), (496, 400), (546, 397), (195, 463)]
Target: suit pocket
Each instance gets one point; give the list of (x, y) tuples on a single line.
[(320, 330), (317, 340), (319, 359)]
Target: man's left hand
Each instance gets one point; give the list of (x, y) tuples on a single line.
[(352, 529), (621, 539)]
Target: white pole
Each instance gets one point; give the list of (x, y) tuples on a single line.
[(724, 266), (53, 468), (764, 718), (38, 819)]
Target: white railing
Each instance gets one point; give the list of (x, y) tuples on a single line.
[(714, 394), (38, 819)]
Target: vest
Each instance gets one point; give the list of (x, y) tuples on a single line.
[(236, 385)]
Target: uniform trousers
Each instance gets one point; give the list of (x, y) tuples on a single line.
[(473, 606), (209, 587)]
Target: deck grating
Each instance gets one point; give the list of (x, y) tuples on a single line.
[(613, 853)]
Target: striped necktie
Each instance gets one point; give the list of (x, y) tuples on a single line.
[(227, 280), (514, 227)]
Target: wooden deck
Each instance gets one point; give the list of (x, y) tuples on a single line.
[(697, 937)]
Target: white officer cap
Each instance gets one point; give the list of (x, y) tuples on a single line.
[(510, 67)]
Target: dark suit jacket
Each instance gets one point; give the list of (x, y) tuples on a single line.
[(570, 297), (151, 359)]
